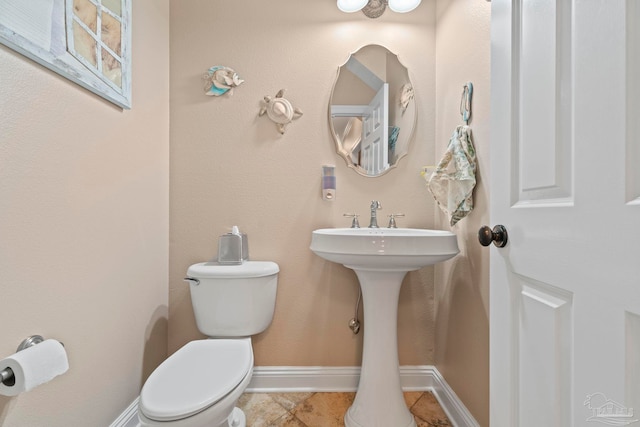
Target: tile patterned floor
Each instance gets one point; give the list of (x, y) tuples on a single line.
[(327, 409)]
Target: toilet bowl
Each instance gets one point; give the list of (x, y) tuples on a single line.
[(199, 385)]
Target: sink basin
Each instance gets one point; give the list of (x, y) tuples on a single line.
[(399, 249), (381, 257)]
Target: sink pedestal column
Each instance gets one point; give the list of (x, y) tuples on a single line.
[(379, 401)]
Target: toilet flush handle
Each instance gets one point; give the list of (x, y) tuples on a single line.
[(191, 280)]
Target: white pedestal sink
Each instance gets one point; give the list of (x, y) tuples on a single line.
[(381, 257)]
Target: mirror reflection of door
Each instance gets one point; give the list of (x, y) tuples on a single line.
[(375, 134), (371, 127)]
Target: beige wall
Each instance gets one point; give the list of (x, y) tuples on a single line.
[(231, 167), (84, 226), (462, 286)]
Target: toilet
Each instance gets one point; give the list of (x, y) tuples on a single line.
[(199, 384)]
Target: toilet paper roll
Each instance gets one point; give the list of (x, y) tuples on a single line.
[(34, 366)]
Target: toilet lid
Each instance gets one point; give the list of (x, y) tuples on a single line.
[(195, 377), (246, 269)]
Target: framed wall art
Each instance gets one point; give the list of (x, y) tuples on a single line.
[(86, 41)]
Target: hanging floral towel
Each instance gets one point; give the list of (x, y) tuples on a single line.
[(452, 184)]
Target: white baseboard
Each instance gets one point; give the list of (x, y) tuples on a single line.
[(128, 418), (282, 379)]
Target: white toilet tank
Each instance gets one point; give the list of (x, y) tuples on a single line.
[(233, 300)]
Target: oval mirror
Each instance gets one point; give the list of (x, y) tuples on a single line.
[(372, 111)]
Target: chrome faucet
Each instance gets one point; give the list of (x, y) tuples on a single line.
[(375, 205)]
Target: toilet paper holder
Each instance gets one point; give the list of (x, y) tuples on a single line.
[(6, 375)]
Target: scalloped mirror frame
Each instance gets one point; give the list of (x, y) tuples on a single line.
[(399, 108)]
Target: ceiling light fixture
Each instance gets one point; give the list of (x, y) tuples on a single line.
[(403, 6), (350, 6), (375, 8)]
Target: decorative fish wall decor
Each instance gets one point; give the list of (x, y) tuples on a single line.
[(220, 80)]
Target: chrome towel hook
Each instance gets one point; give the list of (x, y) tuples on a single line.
[(465, 102)]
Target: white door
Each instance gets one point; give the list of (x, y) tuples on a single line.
[(375, 133), (565, 182)]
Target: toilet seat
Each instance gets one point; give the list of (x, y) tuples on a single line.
[(195, 377)]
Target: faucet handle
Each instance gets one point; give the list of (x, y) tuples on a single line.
[(392, 219), (354, 221)]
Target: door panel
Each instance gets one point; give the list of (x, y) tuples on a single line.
[(544, 337), (542, 86), (632, 356), (633, 102)]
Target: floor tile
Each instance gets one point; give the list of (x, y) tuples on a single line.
[(324, 409), (411, 397), (260, 409), (428, 411), (327, 409), (432, 423), (289, 400), (288, 420)]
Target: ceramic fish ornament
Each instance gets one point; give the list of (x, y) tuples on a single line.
[(220, 80), (279, 110)]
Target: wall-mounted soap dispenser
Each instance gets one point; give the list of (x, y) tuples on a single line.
[(328, 182)]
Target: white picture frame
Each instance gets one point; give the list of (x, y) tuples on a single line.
[(85, 41)]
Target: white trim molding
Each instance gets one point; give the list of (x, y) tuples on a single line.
[(283, 379), (129, 417)]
